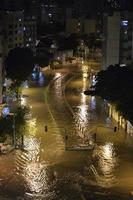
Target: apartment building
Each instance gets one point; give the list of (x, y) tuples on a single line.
[(83, 26), (111, 39), (1, 57), (118, 39), (13, 29), (29, 32)]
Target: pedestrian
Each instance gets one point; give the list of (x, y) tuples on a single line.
[(46, 128), (115, 129), (66, 137), (94, 136)]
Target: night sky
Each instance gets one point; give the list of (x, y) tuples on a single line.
[(87, 4)]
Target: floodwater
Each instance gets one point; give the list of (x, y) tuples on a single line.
[(62, 116)]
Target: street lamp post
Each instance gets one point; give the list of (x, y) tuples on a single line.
[(14, 131), (14, 143), (6, 112)]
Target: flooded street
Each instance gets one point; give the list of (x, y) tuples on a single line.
[(45, 170)]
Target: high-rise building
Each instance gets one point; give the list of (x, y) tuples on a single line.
[(29, 31), (111, 39), (11, 4), (1, 57), (17, 29), (113, 5), (126, 37), (118, 39), (13, 28)]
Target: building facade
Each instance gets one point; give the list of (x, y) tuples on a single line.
[(13, 28), (16, 30), (1, 56), (83, 26), (126, 37), (111, 40), (118, 39), (29, 31)]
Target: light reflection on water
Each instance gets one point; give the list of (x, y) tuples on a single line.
[(58, 84), (99, 167), (36, 177), (31, 128), (41, 79), (92, 103), (101, 170), (84, 113), (29, 164), (34, 171), (106, 162)]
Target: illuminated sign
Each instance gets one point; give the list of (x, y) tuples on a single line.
[(5, 111), (124, 23)]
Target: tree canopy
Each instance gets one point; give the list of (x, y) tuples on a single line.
[(43, 58), (116, 85), (69, 42), (19, 64)]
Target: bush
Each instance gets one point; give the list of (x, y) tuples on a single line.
[(6, 124)]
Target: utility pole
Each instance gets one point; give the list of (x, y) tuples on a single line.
[(14, 131)]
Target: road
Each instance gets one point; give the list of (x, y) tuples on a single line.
[(45, 170)]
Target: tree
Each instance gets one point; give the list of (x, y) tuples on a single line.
[(116, 85), (44, 59), (6, 123), (18, 66), (69, 42)]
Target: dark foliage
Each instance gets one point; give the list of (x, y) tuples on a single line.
[(19, 64), (116, 85), (43, 60), (66, 43), (6, 123), (45, 28)]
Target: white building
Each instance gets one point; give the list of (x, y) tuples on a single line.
[(111, 37), (118, 39)]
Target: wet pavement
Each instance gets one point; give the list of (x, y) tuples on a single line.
[(45, 170)]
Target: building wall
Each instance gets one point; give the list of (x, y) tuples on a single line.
[(77, 25), (126, 39), (111, 43), (73, 26), (1, 56), (30, 32), (89, 26), (13, 28), (1, 66)]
